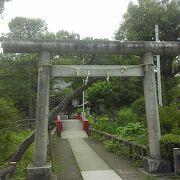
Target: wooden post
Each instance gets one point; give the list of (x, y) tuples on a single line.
[(42, 110), (151, 104)]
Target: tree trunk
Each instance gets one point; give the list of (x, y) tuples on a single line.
[(62, 105)]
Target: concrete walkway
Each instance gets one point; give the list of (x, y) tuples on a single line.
[(92, 166)]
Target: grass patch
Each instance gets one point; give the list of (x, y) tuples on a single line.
[(12, 140), (57, 168)]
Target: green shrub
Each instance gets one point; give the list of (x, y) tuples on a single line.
[(96, 137), (9, 144), (138, 107), (142, 138), (122, 150), (175, 94), (8, 114), (119, 148), (90, 118), (176, 130), (11, 137), (132, 129), (78, 110), (8, 148), (125, 116), (105, 126), (169, 118), (103, 118), (110, 146), (168, 142)]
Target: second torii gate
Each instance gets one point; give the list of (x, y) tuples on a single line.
[(42, 170)]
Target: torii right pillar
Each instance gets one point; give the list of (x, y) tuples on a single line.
[(154, 163)]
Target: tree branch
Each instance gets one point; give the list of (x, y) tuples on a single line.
[(62, 105)]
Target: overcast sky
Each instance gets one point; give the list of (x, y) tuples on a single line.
[(89, 18)]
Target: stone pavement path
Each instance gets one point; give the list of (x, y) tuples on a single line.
[(92, 166), (81, 158), (124, 167)]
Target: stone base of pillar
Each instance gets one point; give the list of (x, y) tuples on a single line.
[(40, 173), (156, 165)]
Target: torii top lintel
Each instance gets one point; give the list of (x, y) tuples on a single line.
[(91, 47)]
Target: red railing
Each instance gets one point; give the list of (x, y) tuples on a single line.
[(84, 122), (59, 125)]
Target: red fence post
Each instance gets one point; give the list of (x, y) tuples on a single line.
[(84, 122), (86, 126), (59, 126)]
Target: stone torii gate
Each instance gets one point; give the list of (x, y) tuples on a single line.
[(40, 169)]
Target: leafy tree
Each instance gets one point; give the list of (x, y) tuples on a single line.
[(8, 114), (139, 22), (26, 28), (62, 34), (117, 93), (22, 68), (138, 107), (170, 118), (48, 35), (101, 93), (18, 81)]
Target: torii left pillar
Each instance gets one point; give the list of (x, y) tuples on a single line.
[(40, 169)]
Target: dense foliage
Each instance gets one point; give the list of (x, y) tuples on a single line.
[(168, 142), (115, 94), (18, 81), (8, 117), (8, 114), (170, 119), (11, 137), (139, 23)]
